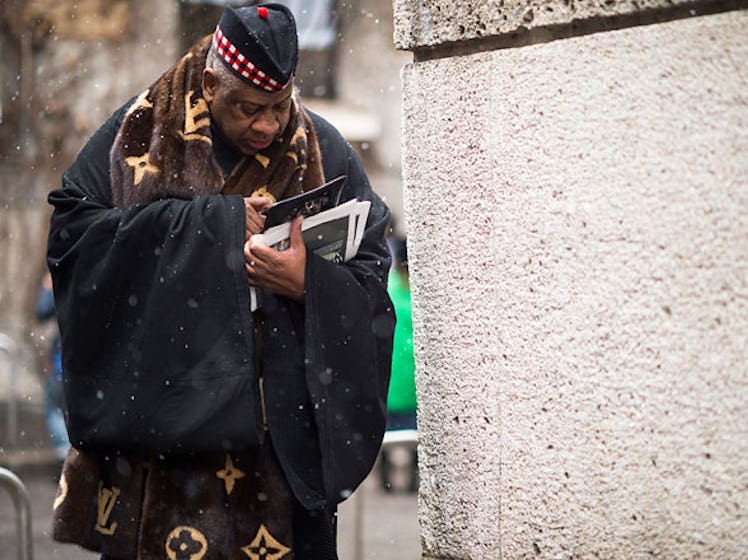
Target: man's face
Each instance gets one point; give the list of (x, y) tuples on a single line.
[(249, 118)]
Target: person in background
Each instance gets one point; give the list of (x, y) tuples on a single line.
[(53, 397), (201, 429), (401, 397)]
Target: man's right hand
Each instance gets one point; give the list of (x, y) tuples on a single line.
[(255, 221)]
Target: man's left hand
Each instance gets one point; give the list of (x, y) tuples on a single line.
[(281, 272)]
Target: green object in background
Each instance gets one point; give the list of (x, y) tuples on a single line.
[(402, 391)]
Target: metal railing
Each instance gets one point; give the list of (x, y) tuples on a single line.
[(392, 438), (22, 505), (8, 355)]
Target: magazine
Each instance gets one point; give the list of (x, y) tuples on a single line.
[(305, 204), (334, 234)]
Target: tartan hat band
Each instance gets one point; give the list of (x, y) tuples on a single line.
[(259, 44), (241, 65)]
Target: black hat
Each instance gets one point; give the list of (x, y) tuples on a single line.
[(259, 44)]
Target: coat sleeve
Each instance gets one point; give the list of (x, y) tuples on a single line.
[(348, 327), (153, 307)]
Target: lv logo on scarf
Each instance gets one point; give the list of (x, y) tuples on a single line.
[(186, 543), (107, 501), (265, 547)]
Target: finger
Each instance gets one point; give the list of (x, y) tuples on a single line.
[(296, 237), (260, 259), (250, 259), (248, 250), (249, 262), (255, 223), (259, 203), (256, 273)]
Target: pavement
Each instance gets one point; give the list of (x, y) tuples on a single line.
[(374, 524)]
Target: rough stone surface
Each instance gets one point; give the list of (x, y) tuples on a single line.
[(425, 23), (454, 307), (578, 234)]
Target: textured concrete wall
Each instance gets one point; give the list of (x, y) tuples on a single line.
[(423, 23), (578, 222)]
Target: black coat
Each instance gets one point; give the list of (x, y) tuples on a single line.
[(157, 336)]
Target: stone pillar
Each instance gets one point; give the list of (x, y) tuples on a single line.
[(576, 194)]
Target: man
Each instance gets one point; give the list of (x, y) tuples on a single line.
[(202, 430)]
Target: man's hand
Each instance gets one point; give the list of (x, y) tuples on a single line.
[(255, 222), (281, 272)]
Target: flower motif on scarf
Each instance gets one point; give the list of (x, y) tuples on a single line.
[(186, 543), (265, 547), (263, 160), (141, 165), (195, 118), (263, 191), (62, 492), (230, 474), (140, 102)]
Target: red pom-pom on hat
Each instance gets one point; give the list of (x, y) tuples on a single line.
[(262, 12)]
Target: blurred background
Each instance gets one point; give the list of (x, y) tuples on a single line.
[(66, 66)]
